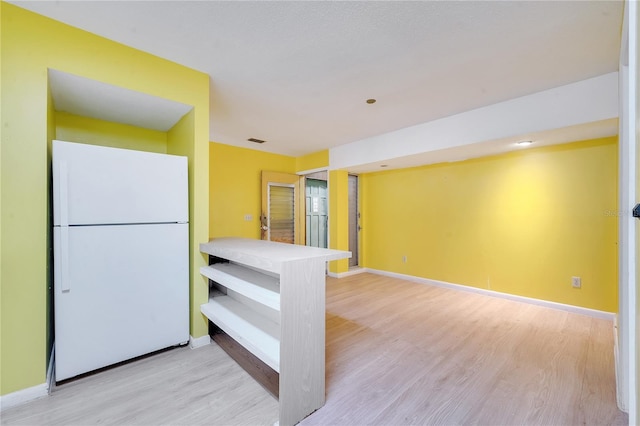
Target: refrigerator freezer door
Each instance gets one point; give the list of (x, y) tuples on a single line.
[(128, 294), (102, 185)]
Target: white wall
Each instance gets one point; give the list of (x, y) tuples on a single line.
[(574, 104), (627, 337)]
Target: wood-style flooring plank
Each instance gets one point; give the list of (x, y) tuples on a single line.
[(180, 386), (397, 353), (403, 353)]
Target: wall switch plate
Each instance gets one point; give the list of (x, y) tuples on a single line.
[(576, 282), (404, 259), (248, 217)]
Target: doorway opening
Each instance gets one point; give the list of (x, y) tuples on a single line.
[(317, 209), (354, 222)]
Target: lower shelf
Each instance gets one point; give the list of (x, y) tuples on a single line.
[(258, 334), (261, 372)]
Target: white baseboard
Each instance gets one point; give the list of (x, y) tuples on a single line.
[(554, 305), (350, 272), (198, 342), (616, 359), (23, 396)]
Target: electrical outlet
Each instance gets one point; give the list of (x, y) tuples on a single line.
[(576, 282), (248, 217), (404, 259)]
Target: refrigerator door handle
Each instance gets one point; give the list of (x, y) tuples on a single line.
[(63, 194), (65, 286), (64, 226)]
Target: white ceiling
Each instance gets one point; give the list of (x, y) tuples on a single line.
[(90, 98), (297, 74), (597, 129)]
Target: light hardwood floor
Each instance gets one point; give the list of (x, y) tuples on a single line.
[(397, 353), (405, 353), (178, 387)]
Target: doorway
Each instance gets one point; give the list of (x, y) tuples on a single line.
[(317, 212), (354, 222)]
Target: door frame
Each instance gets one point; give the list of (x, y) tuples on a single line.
[(627, 362), (357, 256), (303, 175)]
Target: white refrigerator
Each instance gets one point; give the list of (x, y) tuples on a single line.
[(121, 255)]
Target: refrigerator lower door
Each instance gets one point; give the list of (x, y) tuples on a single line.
[(127, 294)]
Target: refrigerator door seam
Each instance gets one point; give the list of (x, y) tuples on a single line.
[(79, 225)]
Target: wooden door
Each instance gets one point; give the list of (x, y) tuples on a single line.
[(282, 213)]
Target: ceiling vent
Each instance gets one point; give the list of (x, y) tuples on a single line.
[(254, 140)]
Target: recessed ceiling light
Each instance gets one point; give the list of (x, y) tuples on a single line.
[(384, 165), (254, 140), (524, 143), (371, 101)]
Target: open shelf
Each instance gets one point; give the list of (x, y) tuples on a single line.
[(260, 287), (256, 333), (269, 298)]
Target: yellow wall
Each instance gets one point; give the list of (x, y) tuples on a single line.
[(30, 45), (339, 217), (521, 223), (179, 139), (235, 191), (234, 185), (316, 160), (73, 128)]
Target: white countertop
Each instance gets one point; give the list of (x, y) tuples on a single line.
[(267, 255)]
